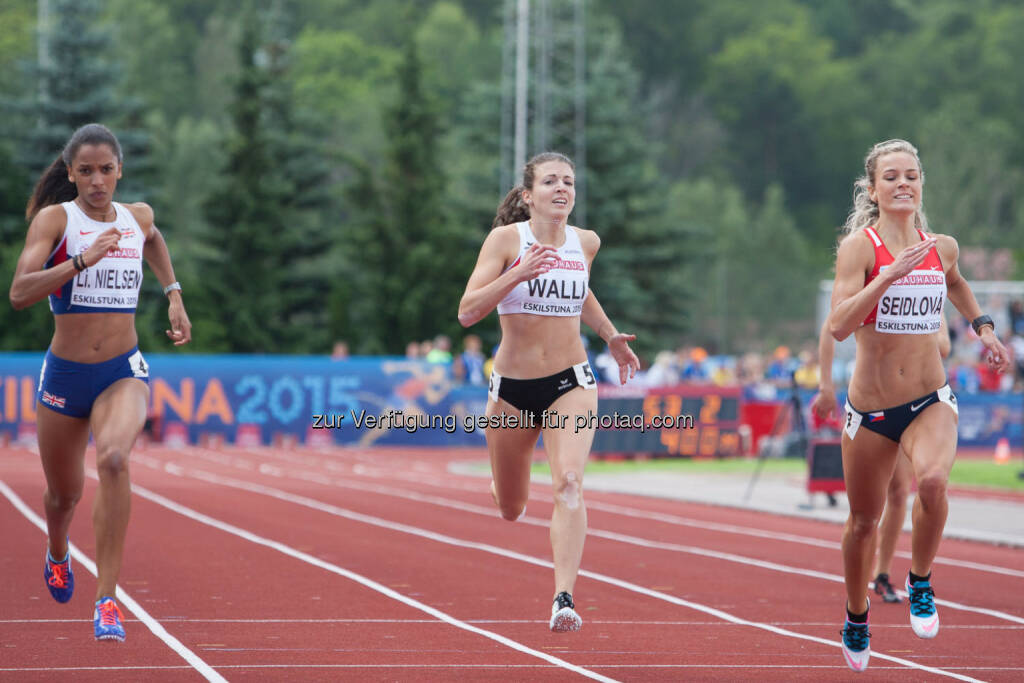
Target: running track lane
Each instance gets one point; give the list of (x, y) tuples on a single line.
[(294, 611), (267, 468), (733, 545), (900, 622), (634, 642)]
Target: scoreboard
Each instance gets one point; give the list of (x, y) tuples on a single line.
[(680, 420)]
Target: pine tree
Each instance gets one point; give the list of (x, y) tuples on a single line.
[(75, 85), (269, 247), (411, 259), (72, 86), (637, 272)]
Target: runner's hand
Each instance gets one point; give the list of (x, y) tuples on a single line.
[(909, 258), (823, 404), (628, 363), (536, 260), (106, 241)]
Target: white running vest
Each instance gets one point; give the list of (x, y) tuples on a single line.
[(561, 291), (111, 285)]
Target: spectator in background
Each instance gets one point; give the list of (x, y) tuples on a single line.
[(724, 373), (340, 350), (441, 351), (471, 361), (780, 370), (695, 367), (750, 368), (663, 372), (606, 366), (808, 371), (1016, 314), (489, 363), (412, 350), (1016, 348)]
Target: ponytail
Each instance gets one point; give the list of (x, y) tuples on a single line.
[(53, 188), (512, 208)]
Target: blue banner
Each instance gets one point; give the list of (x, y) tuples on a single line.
[(360, 401), (357, 401)]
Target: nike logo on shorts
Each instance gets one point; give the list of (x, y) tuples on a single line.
[(920, 405)]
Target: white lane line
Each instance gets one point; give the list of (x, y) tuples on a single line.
[(790, 538), (439, 482), (488, 511), (311, 503), (122, 596), (358, 578), (480, 666)]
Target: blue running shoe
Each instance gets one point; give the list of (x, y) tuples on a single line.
[(106, 621), (59, 577), (924, 618), (856, 645)]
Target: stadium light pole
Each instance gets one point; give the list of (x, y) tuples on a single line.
[(43, 56), (580, 113), (522, 76)]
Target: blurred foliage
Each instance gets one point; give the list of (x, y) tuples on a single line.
[(327, 169)]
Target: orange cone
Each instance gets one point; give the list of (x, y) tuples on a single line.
[(1002, 453)]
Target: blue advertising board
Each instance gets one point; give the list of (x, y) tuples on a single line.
[(359, 401)]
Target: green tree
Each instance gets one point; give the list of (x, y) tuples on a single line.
[(641, 253), (265, 231), (972, 189), (408, 260), (31, 328), (787, 104), (75, 85), (72, 85), (750, 262)]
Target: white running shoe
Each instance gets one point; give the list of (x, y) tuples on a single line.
[(856, 645), (924, 618), (563, 614)]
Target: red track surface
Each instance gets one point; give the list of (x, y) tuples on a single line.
[(385, 564)]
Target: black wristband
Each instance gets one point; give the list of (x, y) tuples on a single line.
[(981, 321), (78, 262)]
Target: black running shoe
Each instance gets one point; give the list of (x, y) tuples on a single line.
[(885, 589), (563, 614)]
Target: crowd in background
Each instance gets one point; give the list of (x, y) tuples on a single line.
[(764, 375)]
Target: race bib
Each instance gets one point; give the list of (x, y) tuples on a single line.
[(913, 304)]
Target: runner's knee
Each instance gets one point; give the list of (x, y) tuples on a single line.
[(931, 488), (569, 490), (899, 489), (112, 461), (62, 502), (862, 525)]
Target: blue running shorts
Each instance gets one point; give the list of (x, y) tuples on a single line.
[(71, 388)]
